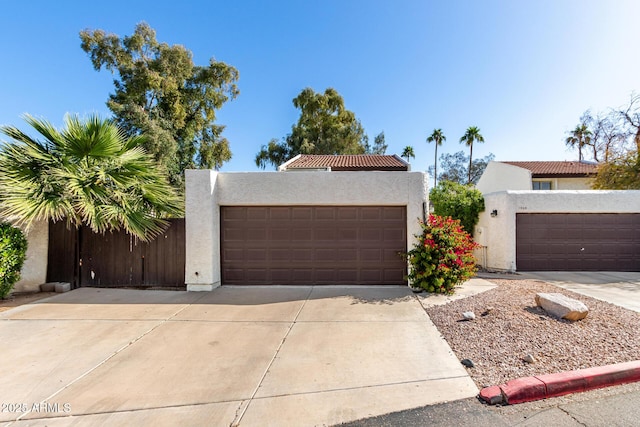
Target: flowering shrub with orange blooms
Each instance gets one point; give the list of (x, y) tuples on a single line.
[(443, 256)]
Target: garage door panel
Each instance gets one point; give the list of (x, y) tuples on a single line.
[(279, 255), (348, 213), (256, 255), (279, 234), (324, 255), (372, 234), (302, 275), (392, 273), (302, 255), (587, 242), (393, 234), (279, 213), (237, 234), (348, 255), (304, 213), (234, 254), (325, 213), (255, 214), (394, 213), (371, 276), (233, 274), (371, 214), (391, 255), (346, 276), (371, 255), (348, 234), (325, 234), (313, 245), (303, 234)]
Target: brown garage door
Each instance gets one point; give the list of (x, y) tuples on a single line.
[(304, 245), (587, 242)]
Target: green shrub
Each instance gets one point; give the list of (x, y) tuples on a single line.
[(13, 250), (458, 201), (443, 256)]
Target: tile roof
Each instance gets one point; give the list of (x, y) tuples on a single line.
[(347, 162), (564, 168)]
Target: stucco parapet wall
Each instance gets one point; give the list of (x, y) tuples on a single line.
[(318, 188), (559, 201)]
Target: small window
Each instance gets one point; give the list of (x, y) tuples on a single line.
[(542, 185)]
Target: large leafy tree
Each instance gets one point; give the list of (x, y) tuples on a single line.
[(471, 135), (454, 167), (325, 126), (437, 136), (462, 202), (88, 173), (619, 173), (379, 145), (161, 93)]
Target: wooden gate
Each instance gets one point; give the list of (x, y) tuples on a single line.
[(117, 259)]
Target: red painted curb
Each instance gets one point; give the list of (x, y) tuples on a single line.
[(540, 387), (492, 395)]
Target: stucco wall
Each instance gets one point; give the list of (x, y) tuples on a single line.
[(34, 270), (207, 190), (498, 233), (573, 184), (501, 176)]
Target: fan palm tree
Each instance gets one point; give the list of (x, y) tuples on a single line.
[(579, 137), (89, 174), (471, 135), (407, 153), (438, 137)]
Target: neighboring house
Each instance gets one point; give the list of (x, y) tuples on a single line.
[(568, 227), (559, 175), (345, 162), (308, 227)]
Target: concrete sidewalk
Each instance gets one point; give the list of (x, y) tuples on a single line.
[(619, 288), (234, 356)]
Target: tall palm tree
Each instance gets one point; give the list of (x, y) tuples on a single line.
[(579, 137), (88, 173), (438, 137), (407, 153), (471, 135)]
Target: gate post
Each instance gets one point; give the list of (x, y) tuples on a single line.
[(202, 231)]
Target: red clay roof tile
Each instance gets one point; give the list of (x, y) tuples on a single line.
[(564, 168), (349, 162)]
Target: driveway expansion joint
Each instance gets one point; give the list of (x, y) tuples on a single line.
[(363, 387), (242, 408), (572, 416)]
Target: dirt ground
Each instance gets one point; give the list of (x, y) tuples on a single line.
[(18, 299)]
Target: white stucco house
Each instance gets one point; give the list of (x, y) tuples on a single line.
[(318, 220), (560, 175), (543, 216)]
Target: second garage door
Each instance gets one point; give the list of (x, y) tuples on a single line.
[(305, 245), (578, 242)]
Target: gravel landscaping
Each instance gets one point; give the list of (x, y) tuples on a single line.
[(509, 326)]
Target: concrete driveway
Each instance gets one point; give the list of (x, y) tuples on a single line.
[(236, 356), (619, 288)]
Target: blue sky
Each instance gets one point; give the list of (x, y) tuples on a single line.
[(522, 71)]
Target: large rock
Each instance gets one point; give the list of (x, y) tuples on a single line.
[(562, 306)]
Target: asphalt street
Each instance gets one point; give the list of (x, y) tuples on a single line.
[(612, 407)]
